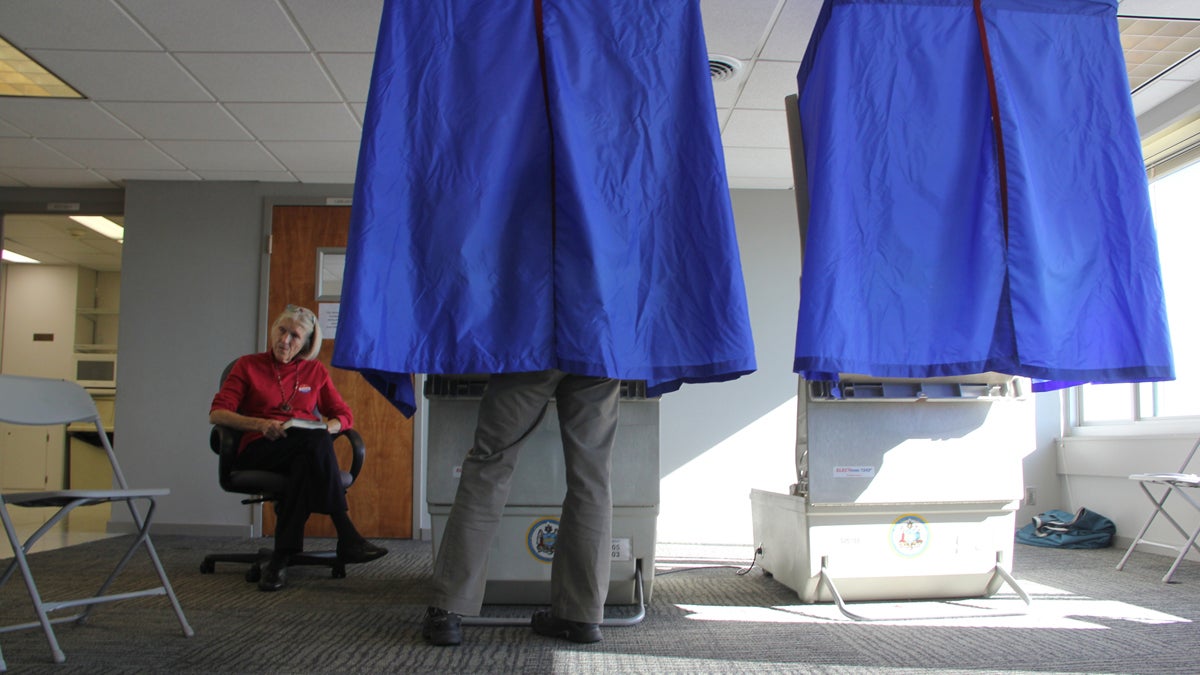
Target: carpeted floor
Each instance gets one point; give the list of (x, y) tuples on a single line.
[(703, 618)]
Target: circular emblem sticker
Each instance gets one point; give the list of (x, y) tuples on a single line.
[(541, 538), (910, 535)]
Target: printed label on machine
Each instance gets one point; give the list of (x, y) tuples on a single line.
[(541, 538), (622, 550), (853, 472), (910, 535)]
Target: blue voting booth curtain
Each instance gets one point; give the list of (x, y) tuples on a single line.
[(541, 185), (978, 200)]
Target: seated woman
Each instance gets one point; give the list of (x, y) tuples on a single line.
[(261, 393)]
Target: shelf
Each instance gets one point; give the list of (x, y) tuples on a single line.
[(95, 349)]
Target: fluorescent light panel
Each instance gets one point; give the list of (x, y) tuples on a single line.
[(22, 76), (17, 257), (102, 225)]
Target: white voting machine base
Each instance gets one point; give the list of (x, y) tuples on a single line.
[(907, 490)]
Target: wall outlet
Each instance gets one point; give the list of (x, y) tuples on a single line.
[(1030, 495)]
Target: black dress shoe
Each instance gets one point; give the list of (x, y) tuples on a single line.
[(442, 628), (545, 623), (360, 552), (274, 577)]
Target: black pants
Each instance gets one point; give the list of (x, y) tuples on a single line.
[(306, 457)]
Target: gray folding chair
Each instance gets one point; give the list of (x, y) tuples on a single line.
[(42, 402), (1176, 483)]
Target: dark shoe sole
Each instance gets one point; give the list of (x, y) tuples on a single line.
[(545, 623), (445, 632), (271, 586), (361, 555)]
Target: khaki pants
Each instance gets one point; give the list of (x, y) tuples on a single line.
[(512, 407)]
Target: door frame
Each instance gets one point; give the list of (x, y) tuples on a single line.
[(421, 523)]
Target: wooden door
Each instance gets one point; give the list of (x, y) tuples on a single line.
[(381, 499)]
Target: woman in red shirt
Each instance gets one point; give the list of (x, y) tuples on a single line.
[(264, 391)]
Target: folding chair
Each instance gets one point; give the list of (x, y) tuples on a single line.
[(42, 402), (1175, 483)]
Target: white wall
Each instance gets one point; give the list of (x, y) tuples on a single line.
[(717, 441)]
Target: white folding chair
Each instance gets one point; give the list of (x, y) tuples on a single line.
[(1179, 483), (42, 402)]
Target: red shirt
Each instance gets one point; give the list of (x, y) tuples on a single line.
[(260, 386)]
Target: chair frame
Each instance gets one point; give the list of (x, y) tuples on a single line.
[(31, 401), (263, 487), (1175, 483)]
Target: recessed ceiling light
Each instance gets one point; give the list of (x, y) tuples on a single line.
[(102, 225), (9, 256), (22, 76)]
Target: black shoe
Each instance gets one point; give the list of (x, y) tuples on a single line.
[(442, 628), (361, 551), (545, 623), (274, 577)]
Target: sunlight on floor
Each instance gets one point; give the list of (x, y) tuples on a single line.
[(85, 524), (1051, 608)]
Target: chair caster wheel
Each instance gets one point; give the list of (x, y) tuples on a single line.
[(208, 567), (338, 572), (254, 574)]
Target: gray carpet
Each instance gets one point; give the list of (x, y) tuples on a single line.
[(1086, 618)]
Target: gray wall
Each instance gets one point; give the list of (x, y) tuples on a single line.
[(191, 301)]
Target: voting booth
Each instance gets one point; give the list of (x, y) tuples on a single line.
[(520, 557), (906, 489)]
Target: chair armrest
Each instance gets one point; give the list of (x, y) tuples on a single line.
[(223, 440), (357, 448)]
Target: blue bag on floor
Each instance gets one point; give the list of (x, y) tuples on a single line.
[(1059, 529)]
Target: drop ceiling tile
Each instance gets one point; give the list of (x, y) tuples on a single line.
[(298, 121), (767, 85), (261, 77), (759, 183), (180, 121), (758, 163), (725, 92), (8, 181), (27, 153), (792, 31), (261, 176), (123, 76), (121, 176), (343, 26), (756, 129), (101, 154), (351, 73), (328, 178), (736, 28), (9, 131), (219, 25), (329, 156), (65, 178), (202, 156), (80, 24), (59, 118)]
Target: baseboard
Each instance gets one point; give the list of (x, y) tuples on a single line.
[(187, 529)]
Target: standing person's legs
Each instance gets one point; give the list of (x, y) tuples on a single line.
[(513, 405), (587, 412)]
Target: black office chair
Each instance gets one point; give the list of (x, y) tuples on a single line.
[(266, 486)]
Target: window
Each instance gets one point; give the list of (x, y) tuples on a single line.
[(1175, 199)]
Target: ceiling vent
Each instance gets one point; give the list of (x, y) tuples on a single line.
[(723, 68)]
